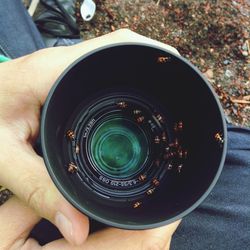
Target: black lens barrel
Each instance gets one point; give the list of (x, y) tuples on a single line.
[(166, 119)]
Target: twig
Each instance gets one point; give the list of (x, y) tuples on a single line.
[(248, 48), (240, 101), (109, 12), (246, 97), (158, 2)]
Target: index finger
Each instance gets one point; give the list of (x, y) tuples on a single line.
[(118, 239), (41, 69)]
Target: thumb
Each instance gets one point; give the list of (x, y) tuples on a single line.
[(25, 169), (17, 221), (118, 239)]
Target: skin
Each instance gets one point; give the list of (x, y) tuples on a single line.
[(25, 83)]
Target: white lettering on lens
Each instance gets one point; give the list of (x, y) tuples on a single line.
[(88, 127), (104, 179), (123, 183)]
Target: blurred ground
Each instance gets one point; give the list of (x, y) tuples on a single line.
[(213, 35)]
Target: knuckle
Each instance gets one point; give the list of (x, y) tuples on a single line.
[(35, 197), (22, 244), (30, 244), (34, 193), (123, 32)]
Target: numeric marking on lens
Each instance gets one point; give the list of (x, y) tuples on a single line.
[(88, 128)]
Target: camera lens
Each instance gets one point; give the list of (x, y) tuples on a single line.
[(124, 138), (121, 140), (118, 147)]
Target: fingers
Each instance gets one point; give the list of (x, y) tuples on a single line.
[(16, 222), (117, 239), (26, 176), (40, 70), (20, 166)]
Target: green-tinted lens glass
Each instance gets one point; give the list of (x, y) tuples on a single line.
[(119, 147)]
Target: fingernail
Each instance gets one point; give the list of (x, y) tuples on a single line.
[(65, 226)]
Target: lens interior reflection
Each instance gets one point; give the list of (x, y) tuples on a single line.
[(119, 147)]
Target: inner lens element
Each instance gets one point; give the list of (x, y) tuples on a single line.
[(119, 147)]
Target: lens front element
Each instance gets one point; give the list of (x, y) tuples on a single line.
[(119, 147)]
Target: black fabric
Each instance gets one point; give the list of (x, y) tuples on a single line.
[(57, 18), (222, 221), (18, 34)]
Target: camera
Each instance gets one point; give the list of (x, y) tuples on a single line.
[(133, 136)]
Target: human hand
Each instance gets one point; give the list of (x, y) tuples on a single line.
[(17, 221), (25, 83)]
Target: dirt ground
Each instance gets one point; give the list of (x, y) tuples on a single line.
[(213, 35)]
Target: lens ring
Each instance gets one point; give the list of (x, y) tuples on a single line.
[(117, 157), (122, 159), (85, 121)]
